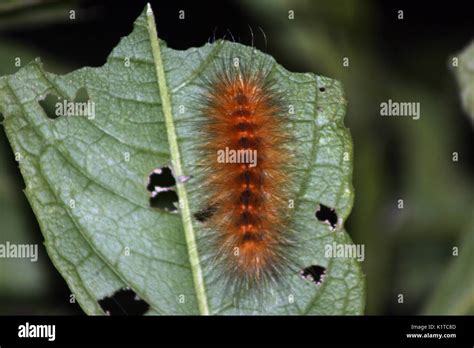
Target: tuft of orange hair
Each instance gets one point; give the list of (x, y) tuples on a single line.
[(247, 203)]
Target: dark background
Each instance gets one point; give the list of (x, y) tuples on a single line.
[(408, 251)]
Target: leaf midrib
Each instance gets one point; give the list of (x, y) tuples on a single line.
[(190, 237)]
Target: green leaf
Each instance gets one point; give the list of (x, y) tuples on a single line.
[(465, 76), (93, 206), (455, 293)]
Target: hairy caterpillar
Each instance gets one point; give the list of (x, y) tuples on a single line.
[(245, 163)]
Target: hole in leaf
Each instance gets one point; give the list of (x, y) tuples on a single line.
[(160, 177), (49, 106), (55, 106), (204, 214), (166, 200), (314, 274), (124, 302), (327, 215), (160, 183), (322, 89), (81, 96)]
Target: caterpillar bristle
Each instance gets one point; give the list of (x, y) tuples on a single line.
[(249, 230)]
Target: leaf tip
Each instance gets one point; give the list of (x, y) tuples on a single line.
[(149, 11)]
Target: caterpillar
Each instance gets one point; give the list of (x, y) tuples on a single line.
[(246, 172)]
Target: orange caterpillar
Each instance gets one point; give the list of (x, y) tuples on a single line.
[(246, 176)]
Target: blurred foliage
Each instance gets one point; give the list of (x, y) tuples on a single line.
[(21, 14), (455, 293), (465, 76), (408, 251)]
